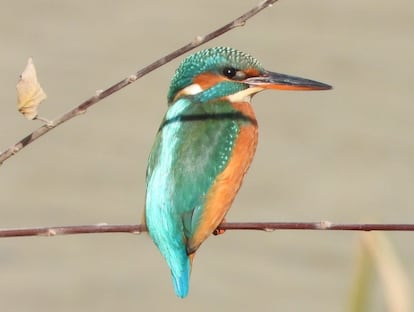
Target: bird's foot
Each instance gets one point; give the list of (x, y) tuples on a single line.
[(219, 231)]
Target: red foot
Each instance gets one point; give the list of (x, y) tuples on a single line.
[(219, 231)]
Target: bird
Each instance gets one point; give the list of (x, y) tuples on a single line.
[(202, 150)]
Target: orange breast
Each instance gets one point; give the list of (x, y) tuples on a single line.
[(227, 184)]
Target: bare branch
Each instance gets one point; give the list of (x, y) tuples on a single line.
[(199, 40), (260, 226)]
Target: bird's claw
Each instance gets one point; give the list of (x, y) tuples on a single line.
[(219, 231)]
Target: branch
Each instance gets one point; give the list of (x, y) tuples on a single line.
[(260, 226), (80, 109)]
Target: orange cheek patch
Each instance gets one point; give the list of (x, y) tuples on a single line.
[(252, 72), (207, 80)]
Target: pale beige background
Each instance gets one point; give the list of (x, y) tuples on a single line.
[(345, 155)]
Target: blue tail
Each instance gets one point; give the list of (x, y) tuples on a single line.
[(168, 236), (181, 279)]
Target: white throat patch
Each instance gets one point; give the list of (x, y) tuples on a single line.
[(244, 95), (191, 89)]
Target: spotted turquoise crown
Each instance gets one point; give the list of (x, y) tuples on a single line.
[(213, 60)]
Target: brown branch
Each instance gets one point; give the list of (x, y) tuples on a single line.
[(80, 109), (260, 226)]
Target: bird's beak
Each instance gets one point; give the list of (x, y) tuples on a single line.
[(278, 81)]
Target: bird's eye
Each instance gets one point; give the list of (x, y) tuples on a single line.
[(229, 72)]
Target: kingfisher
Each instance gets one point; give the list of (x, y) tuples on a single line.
[(203, 148)]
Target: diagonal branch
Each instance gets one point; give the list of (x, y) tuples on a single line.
[(260, 226), (80, 109)]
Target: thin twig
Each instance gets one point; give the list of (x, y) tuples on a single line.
[(80, 109), (260, 226)]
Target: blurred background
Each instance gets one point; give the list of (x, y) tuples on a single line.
[(345, 155)]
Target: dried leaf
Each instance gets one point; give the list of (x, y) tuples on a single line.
[(29, 92)]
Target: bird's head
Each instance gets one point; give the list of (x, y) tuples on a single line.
[(224, 72)]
